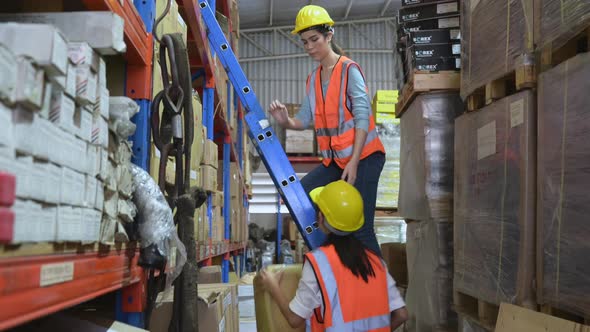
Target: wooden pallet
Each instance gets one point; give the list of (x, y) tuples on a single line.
[(549, 310), (482, 312), (523, 77), (553, 54), (421, 82)]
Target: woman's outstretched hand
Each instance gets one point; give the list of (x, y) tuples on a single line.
[(279, 112)]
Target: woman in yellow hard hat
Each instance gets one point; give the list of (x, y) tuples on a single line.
[(343, 286), (337, 103)]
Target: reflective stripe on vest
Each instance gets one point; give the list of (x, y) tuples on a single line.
[(334, 122), (333, 319)]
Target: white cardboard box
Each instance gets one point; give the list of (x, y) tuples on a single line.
[(8, 72), (68, 224), (42, 42), (22, 220), (90, 191), (48, 224), (100, 131), (29, 88), (111, 205), (24, 125), (101, 74), (6, 131), (24, 177), (42, 139), (102, 30), (81, 54), (70, 88), (83, 123), (60, 82), (79, 151), (85, 85), (52, 174), (73, 187), (91, 156), (102, 104), (47, 95), (99, 196), (90, 225), (62, 111), (103, 164)]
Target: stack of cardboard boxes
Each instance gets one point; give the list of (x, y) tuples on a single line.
[(54, 111)]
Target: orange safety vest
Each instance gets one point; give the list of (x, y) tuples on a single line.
[(350, 304), (334, 123)]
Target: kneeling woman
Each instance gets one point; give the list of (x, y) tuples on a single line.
[(344, 286)]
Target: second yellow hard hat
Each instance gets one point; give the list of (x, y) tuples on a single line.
[(342, 206)]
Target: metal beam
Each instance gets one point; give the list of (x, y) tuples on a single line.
[(301, 55), (272, 3), (354, 26), (255, 43), (350, 2), (387, 3), (290, 27), (290, 38)]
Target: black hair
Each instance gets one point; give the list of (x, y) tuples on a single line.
[(353, 255), (324, 29)]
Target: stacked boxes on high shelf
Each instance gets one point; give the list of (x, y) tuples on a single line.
[(298, 141), (426, 203), (389, 132), (57, 137), (518, 211), (429, 44)]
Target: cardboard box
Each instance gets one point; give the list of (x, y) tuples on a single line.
[(436, 36), (162, 313), (501, 40), (384, 107), (25, 128), (43, 43), (30, 84), (210, 310), (52, 175), (46, 104), (209, 274), (85, 85), (9, 74), (101, 107), (83, 122), (430, 11), (62, 111), (434, 50), (100, 131), (406, 3), (227, 302), (494, 200), (394, 254), (386, 96), (81, 54), (103, 30), (208, 178), (437, 64), (6, 130), (71, 77), (210, 153), (562, 182), (299, 141), (558, 22), (381, 118), (439, 23)]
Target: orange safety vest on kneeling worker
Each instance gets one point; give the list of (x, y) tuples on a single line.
[(350, 303), (334, 123)]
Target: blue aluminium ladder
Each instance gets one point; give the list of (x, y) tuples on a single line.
[(263, 136)]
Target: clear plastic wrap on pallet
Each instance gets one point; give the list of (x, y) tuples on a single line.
[(156, 223), (121, 110), (388, 188), (390, 230), (429, 296), (426, 178), (497, 39), (560, 20), (495, 201), (467, 324), (563, 202)]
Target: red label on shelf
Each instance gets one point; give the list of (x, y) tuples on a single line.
[(6, 225), (7, 189)]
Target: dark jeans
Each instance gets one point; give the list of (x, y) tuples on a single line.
[(367, 179)]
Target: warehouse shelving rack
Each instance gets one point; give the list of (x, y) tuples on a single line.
[(41, 279)]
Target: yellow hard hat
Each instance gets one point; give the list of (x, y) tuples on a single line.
[(309, 16), (342, 206)]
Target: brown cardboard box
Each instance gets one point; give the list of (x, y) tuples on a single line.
[(208, 178), (394, 254), (210, 309), (236, 185), (563, 203), (162, 312), (299, 141), (210, 153), (203, 224), (556, 21), (268, 316), (229, 304), (497, 38), (209, 274), (290, 231), (494, 211)]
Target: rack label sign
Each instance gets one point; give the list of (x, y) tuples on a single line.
[(56, 273)]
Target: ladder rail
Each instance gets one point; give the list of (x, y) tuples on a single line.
[(263, 136)]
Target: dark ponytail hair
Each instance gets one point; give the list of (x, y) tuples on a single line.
[(324, 30), (353, 255)]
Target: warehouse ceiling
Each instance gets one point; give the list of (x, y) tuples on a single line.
[(267, 13)]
